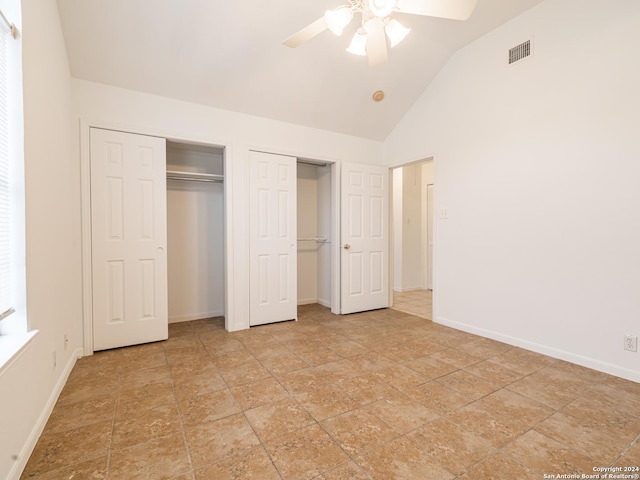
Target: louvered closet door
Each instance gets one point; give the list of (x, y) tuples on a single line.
[(273, 235), (129, 239)]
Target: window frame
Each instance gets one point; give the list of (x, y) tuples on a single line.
[(14, 334)]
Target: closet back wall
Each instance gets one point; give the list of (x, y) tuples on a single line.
[(314, 220), (195, 229), (307, 227)]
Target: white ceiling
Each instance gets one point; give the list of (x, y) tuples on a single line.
[(229, 55)]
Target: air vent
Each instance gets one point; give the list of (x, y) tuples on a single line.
[(519, 52)]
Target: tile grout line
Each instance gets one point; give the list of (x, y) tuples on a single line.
[(180, 419), (113, 420), (243, 412)]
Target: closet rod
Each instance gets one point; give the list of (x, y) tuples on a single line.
[(201, 180), (194, 176), (314, 239), (313, 163)]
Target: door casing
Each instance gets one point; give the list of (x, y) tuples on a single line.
[(85, 195)]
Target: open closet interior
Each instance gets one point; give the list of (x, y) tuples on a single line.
[(195, 231), (314, 233)]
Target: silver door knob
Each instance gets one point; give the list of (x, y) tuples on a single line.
[(347, 246)]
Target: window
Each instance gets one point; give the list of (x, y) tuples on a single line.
[(6, 299), (13, 327)]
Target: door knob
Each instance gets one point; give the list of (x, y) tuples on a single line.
[(347, 246)]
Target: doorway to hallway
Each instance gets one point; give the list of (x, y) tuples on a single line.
[(416, 302), (413, 200)]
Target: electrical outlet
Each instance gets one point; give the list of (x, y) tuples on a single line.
[(444, 214), (66, 341), (631, 343), (55, 358)]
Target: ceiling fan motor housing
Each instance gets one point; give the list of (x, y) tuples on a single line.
[(381, 8)]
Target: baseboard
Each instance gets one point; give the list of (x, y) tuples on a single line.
[(196, 316), (408, 289), (604, 367), (310, 301), (307, 301), (30, 444), (324, 303)]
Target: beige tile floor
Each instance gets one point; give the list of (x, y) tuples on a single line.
[(378, 395), (416, 302)]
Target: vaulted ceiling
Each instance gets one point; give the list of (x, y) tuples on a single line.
[(229, 55)]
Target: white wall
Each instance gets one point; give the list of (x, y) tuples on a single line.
[(314, 220), (307, 228), (30, 384), (427, 260), (412, 227), (397, 177), (537, 164), (195, 240), (143, 113), (427, 173)]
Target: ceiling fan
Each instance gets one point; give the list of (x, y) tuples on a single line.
[(377, 24)]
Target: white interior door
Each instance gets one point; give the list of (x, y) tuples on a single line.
[(429, 270), (273, 235), (129, 239), (365, 238)]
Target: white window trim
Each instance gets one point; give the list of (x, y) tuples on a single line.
[(14, 334)]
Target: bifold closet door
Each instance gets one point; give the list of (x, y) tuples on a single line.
[(365, 238), (129, 239), (273, 237)]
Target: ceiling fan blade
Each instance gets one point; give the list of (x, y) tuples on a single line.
[(452, 9), (306, 34), (376, 43)]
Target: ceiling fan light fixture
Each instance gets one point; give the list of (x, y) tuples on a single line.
[(358, 44), (381, 8), (338, 19), (396, 32)]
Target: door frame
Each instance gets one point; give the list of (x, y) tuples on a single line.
[(427, 265), (336, 300), (85, 200), (429, 158)]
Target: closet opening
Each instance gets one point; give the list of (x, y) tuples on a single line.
[(316, 209), (195, 232)]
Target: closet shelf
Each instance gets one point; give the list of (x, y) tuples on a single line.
[(314, 239), (194, 176)]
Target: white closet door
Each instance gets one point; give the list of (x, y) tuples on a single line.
[(129, 239), (273, 236), (365, 238)]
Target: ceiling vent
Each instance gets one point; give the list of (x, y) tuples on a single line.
[(519, 52)]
